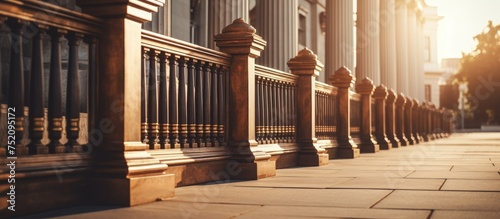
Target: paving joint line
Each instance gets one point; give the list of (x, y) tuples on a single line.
[(442, 185), (381, 199)]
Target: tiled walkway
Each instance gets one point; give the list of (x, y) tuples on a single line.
[(456, 177)]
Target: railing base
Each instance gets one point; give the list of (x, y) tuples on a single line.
[(369, 147), (346, 153), (257, 170), (132, 191), (313, 159)]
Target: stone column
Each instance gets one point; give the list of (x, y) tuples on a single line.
[(307, 66), (402, 46), (343, 80), (365, 89), (367, 40), (420, 57), (339, 35), (222, 13), (412, 50), (388, 66), (408, 123), (125, 172), (277, 22), (380, 95), (400, 119), (390, 121), (240, 40)]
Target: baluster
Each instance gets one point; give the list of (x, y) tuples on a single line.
[(278, 113), (174, 128), (290, 112), (36, 106), (73, 94), (265, 112), (153, 130), (92, 91), (16, 82), (191, 127), (282, 112), (285, 113), (274, 112), (316, 107), (258, 105), (213, 106), (323, 113), (163, 103), (199, 104), (206, 106), (182, 104), (55, 93), (293, 112), (144, 100), (221, 107)]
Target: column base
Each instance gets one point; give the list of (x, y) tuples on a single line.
[(369, 147), (257, 170), (313, 159), (134, 190)]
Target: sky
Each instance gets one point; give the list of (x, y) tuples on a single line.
[(462, 20)]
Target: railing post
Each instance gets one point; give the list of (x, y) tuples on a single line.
[(408, 130), (307, 66), (240, 40), (400, 119), (416, 122), (433, 120), (390, 121), (343, 80), (365, 89), (430, 122), (380, 96), (424, 122), (125, 174), (440, 114)]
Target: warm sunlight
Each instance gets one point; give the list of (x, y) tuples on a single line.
[(463, 19)]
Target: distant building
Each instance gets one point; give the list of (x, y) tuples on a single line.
[(433, 72)]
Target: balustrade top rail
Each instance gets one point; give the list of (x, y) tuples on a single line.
[(171, 45), (274, 74), (324, 87), (51, 15)]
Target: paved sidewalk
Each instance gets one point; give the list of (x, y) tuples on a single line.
[(456, 177)]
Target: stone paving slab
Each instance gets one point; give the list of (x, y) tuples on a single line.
[(391, 183), (361, 198), (439, 214), (454, 175), (472, 185), (295, 182), (444, 200), (421, 167), (331, 212)]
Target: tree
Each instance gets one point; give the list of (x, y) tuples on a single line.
[(480, 69)]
